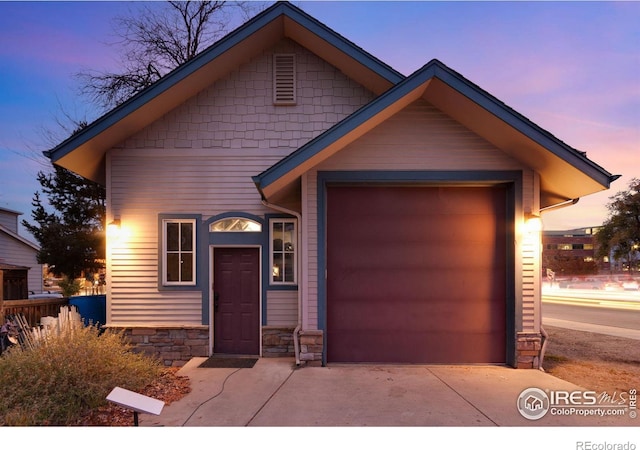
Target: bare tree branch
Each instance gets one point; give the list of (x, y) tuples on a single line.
[(157, 40)]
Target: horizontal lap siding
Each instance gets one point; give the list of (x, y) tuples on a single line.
[(310, 267), (146, 186), (174, 183), (200, 159), (531, 252), (422, 138), (282, 307), (133, 287), (18, 253)]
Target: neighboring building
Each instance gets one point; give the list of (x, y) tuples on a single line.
[(572, 252), (18, 257), (287, 193)]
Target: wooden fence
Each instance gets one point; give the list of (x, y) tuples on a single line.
[(32, 310)]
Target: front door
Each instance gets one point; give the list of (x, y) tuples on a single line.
[(236, 303)]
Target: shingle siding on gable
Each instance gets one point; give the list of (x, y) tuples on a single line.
[(200, 158), (237, 112)]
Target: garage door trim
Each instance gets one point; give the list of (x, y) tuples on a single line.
[(511, 179)]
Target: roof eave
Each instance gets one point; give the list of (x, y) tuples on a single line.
[(84, 152), (524, 134)]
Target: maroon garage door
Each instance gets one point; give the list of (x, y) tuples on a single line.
[(416, 274)]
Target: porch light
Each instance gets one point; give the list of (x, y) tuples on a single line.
[(533, 223), (113, 228)]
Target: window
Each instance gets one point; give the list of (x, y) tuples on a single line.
[(235, 225), (565, 247), (179, 256), (283, 251)]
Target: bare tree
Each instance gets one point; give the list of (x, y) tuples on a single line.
[(156, 40)]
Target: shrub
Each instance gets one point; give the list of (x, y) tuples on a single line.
[(69, 374), (69, 287)]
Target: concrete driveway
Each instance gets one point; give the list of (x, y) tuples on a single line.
[(276, 393)]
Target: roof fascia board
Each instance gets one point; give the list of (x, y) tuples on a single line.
[(11, 211), (223, 45), (433, 69), (162, 85), (522, 124), (344, 45)]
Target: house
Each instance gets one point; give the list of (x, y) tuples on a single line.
[(286, 193), (18, 259)]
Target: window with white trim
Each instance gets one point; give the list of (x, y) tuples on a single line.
[(179, 252), (283, 238)]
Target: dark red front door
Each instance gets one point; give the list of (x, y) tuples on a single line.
[(236, 310)]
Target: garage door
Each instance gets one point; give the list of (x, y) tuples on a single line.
[(416, 274)]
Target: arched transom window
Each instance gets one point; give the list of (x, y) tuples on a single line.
[(235, 225)]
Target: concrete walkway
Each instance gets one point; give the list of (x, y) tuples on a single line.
[(277, 393)]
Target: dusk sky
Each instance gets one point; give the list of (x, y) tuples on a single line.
[(573, 68)]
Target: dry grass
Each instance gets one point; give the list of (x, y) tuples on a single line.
[(593, 361), (67, 375)]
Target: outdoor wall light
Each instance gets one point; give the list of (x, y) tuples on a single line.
[(113, 228), (533, 223)]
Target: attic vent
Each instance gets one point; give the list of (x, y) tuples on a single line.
[(284, 79)]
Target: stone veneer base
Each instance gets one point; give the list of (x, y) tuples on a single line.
[(175, 346)]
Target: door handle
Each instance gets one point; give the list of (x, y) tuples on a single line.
[(216, 297)]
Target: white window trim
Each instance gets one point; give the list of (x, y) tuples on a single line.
[(295, 252), (165, 252)]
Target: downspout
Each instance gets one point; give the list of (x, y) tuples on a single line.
[(296, 331), (545, 336)]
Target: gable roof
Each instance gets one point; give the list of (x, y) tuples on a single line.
[(565, 173), (10, 211), (84, 152), (18, 238)]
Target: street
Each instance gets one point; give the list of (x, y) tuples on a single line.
[(603, 311)]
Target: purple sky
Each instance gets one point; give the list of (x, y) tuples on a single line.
[(573, 68)]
